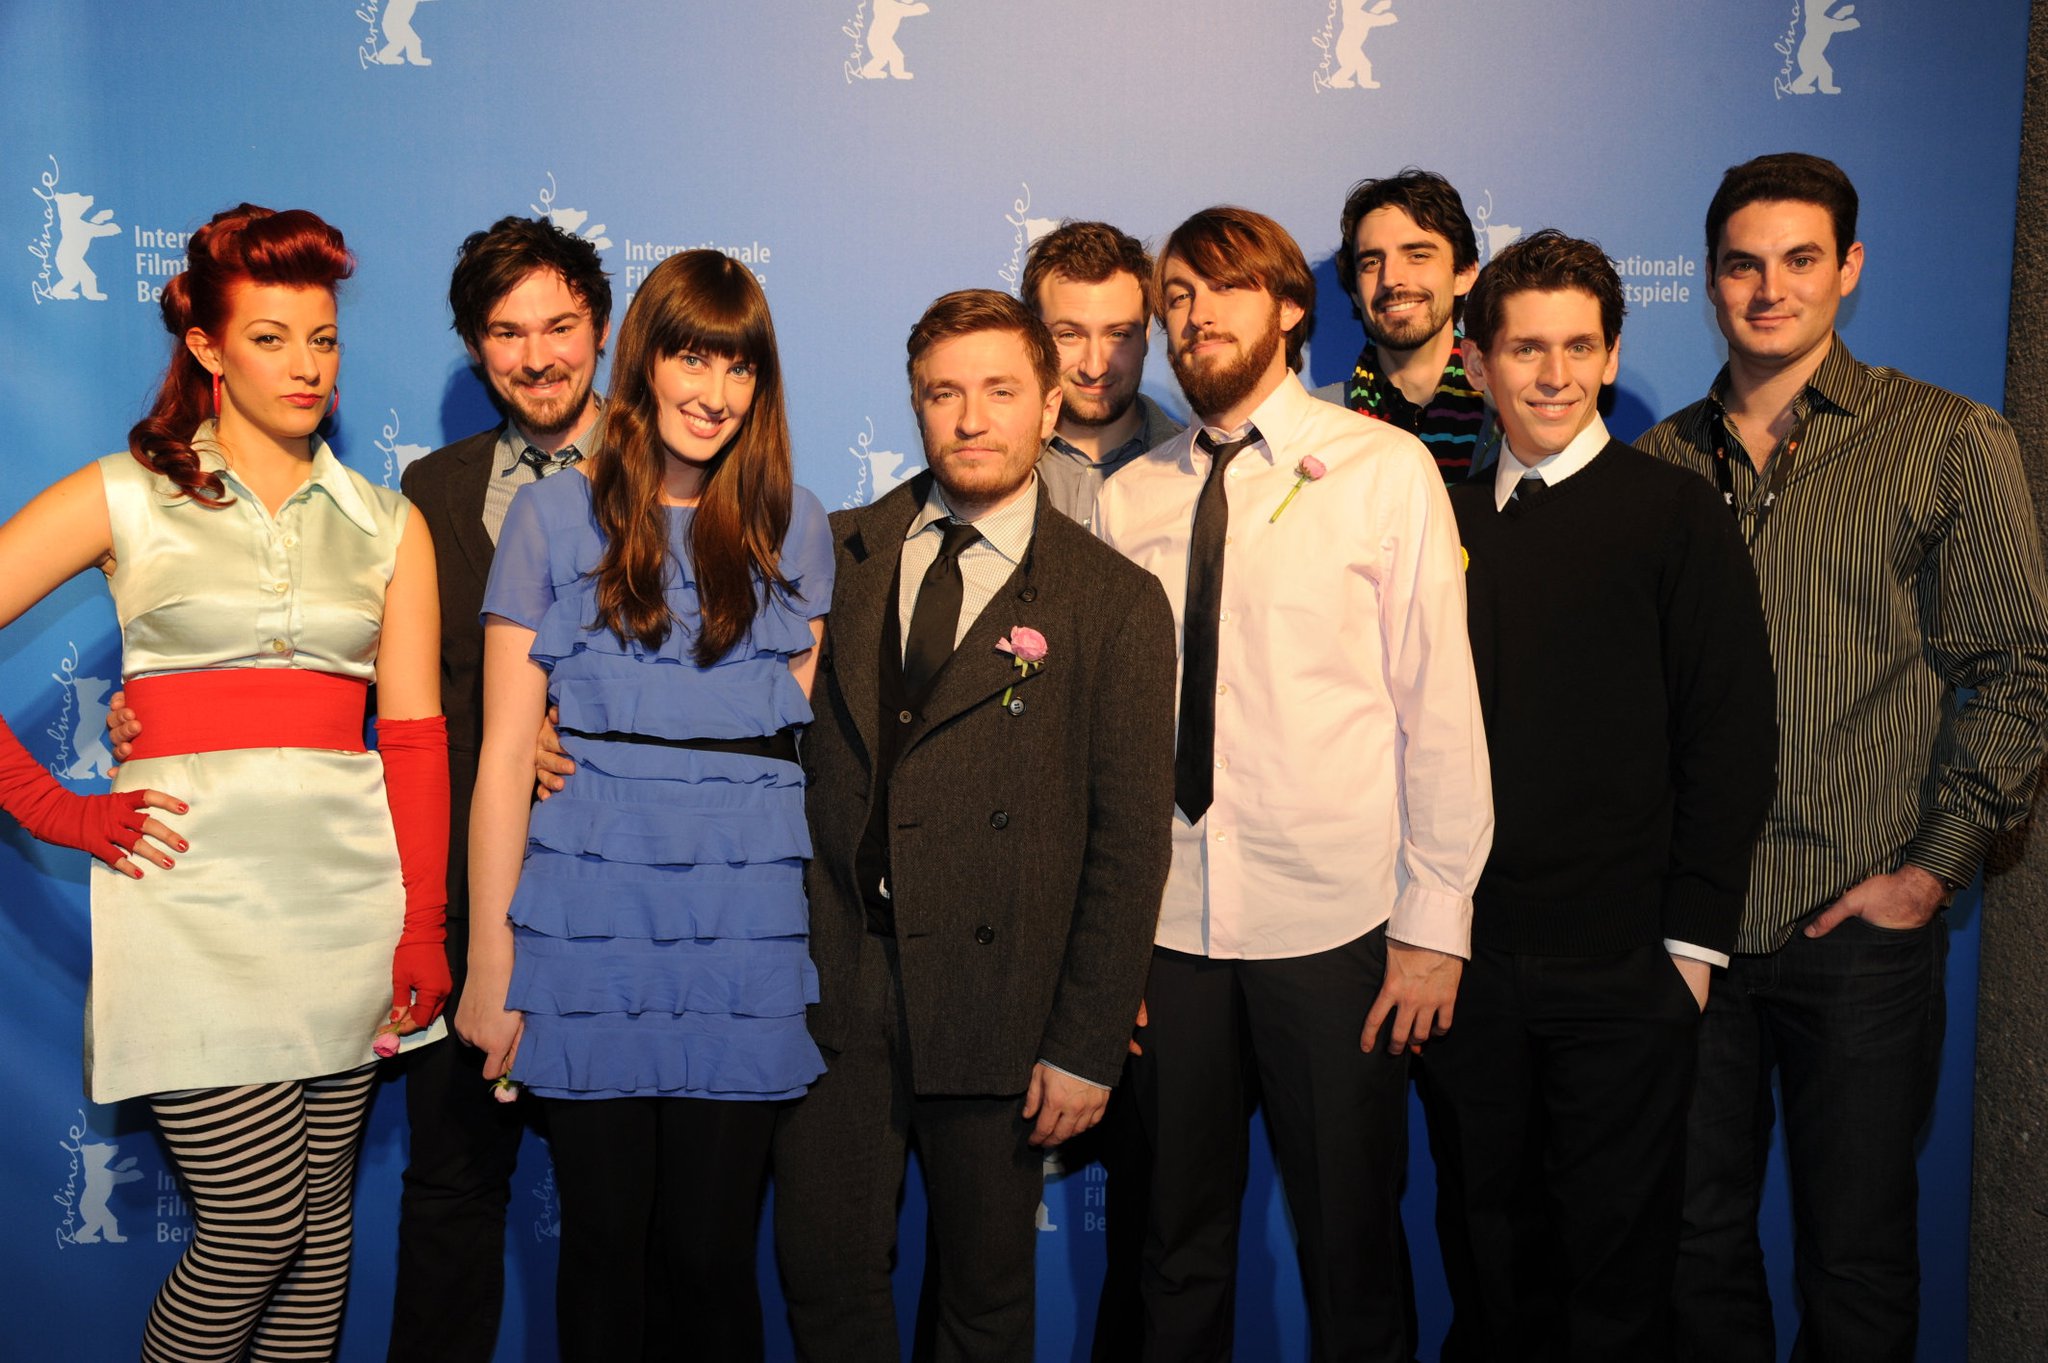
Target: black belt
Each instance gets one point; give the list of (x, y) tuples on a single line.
[(780, 745)]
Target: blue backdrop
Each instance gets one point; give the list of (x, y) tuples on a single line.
[(864, 156)]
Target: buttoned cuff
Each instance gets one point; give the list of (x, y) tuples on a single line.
[(1949, 846), (1437, 919), (1692, 952), (1071, 1075)]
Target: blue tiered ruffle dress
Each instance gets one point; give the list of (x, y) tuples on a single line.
[(660, 927)]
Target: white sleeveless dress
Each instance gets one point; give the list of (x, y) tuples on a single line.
[(265, 953)]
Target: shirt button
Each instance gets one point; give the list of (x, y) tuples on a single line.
[(1222, 837), (984, 934), (1222, 763), (903, 716), (1222, 688), (280, 587), (999, 820), (291, 541), (1223, 617), (279, 646)]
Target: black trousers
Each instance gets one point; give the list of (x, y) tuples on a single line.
[(451, 1212), (1852, 1023), (840, 1155), (661, 1201), (1339, 1123), (1557, 1111)]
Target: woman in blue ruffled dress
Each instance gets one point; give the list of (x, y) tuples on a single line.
[(638, 956)]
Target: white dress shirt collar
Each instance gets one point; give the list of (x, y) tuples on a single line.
[(1278, 419), (1552, 470)]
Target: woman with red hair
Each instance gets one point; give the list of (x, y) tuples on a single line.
[(274, 921)]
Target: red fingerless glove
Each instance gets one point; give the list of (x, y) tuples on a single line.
[(108, 826), (415, 756)]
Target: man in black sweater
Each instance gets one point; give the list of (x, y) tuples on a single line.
[(1625, 676)]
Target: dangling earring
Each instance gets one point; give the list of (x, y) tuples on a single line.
[(333, 403), (216, 397)]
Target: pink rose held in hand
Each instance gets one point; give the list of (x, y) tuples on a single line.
[(386, 1044), (1025, 643)]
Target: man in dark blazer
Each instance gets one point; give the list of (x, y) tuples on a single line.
[(991, 778), (533, 307)]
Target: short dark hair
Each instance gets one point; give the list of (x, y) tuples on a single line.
[(491, 263), (1235, 246), (1545, 262), (1786, 176), (1423, 195), (1087, 253), (966, 311)]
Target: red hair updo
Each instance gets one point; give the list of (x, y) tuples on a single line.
[(294, 249)]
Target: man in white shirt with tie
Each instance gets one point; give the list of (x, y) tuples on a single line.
[(1333, 807)]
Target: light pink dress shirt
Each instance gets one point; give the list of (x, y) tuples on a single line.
[(1351, 784)]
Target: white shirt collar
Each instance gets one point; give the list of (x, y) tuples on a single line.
[(1553, 470), (326, 473)]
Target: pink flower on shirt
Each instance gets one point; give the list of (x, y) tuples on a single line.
[(1309, 470)]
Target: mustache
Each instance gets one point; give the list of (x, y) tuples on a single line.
[(1387, 300), (979, 443), (553, 374)]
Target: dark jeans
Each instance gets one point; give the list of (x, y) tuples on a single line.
[(1853, 1024)]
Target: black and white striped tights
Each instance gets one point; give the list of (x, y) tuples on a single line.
[(268, 1169)]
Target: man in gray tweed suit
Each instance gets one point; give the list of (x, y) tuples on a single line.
[(991, 794)]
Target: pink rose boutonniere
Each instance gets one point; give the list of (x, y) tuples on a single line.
[(1028, 647), (1307, 471)]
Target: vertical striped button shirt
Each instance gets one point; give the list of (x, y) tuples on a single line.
[(1900, 565)]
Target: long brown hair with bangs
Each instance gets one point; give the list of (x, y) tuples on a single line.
[(702, 303)]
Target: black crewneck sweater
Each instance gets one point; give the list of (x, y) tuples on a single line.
[(1625, 676)]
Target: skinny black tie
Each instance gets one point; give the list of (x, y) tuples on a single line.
[(936, 617), (1194, 750)]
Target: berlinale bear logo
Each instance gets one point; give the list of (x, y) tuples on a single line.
[(876, 55), (69, 229), (1804, 47)]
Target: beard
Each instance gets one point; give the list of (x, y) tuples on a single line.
[(1097, 411), (550, 416), (1214, 386), (1413, 330)]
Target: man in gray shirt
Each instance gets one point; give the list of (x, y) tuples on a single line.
[(1091, 285)]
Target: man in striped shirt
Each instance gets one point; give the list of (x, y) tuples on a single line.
[(1893, 537), (1407, 257)]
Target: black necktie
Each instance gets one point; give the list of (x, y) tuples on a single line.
[(936, 618), (1531, 489), (1194, 750)]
